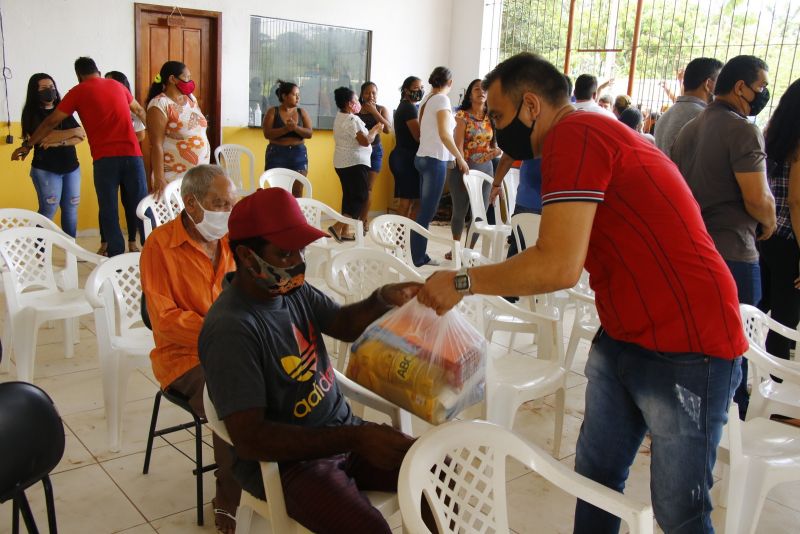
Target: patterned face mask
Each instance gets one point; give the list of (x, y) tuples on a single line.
[(278, 280)]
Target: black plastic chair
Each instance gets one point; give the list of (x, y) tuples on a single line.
[(197, 423), (31, 445)]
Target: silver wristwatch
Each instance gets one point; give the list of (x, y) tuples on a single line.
[(462, 282)]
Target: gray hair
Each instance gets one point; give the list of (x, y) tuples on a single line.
[(197, 180)]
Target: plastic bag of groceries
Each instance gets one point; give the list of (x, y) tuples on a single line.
[(432, 366)]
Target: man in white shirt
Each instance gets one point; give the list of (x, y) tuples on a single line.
[(585, 94)]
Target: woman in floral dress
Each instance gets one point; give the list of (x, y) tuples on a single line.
[(175, 125)]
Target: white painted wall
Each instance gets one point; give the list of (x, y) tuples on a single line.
[(409, 37)]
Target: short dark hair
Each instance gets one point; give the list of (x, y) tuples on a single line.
[(529, 72), (585, 87), (85, 66), (253, 243), (699, 70), (745, 68), (342, 96), (631, 117), (440, 77)]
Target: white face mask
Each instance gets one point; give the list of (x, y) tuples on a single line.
[(214, 224)]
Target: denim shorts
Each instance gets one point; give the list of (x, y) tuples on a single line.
[(294, 157), (376, 159)]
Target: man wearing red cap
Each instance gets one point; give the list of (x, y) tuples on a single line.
[(271, 381)]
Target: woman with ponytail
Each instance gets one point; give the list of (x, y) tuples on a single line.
[(175, 125)]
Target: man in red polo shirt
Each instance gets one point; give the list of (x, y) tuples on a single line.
[(667, 358), (104, 107)]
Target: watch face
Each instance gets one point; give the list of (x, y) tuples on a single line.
[(461, 282)]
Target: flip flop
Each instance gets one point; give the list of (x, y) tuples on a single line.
[(348, 238), (334, 234), (223, 513)]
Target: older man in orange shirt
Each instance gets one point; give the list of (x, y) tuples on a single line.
[(182, 266)]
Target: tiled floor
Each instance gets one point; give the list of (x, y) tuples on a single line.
[(101, 492)]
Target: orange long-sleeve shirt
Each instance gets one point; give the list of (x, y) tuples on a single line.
[(179, 284)]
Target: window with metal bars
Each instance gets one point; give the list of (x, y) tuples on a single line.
[(318, 58), (643, 45)]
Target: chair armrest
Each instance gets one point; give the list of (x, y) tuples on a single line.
[(786, 370), (577, 295), (359, 393)]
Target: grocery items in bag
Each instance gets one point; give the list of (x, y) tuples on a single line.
[(430, 365)]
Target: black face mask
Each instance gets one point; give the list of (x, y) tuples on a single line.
[(47, 95), (759, 102), (515, 139), (417, 95)]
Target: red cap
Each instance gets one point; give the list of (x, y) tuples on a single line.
[(273, 214)]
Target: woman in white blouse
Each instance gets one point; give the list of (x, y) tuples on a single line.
[(437, 151), (351, 158)]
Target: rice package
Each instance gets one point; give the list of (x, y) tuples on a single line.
[(432, 366)]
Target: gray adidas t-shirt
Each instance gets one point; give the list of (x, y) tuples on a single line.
[(709, 150), (271, 355)]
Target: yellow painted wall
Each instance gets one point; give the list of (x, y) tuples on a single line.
[(17, 189)]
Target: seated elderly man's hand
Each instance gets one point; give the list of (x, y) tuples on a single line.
[(439, 292), (382, 445), (399, 294)]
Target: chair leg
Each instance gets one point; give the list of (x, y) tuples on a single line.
[(14, 517), (69, 338), (51, 505), (8, 344), (198, 443), (151, 434), (25, 336), (27, 516), (559, 429), (115, 382)]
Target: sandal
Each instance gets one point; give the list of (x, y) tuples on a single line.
[(103, 250), (223, 516), (351, 237), (334, 234), (133, 247)]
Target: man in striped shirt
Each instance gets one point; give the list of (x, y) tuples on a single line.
[(667, 358)]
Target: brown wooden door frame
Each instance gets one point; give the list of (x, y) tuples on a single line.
[(143, 85)]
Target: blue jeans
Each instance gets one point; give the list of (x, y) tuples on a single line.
[(109, 174), (56, 190), (748, 283), (432, 174), (682, 399)]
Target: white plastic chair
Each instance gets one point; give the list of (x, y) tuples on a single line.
[(229, 157), (355, 273), (760, 454), (32, 295), (511, 183), (252, 510), (513, 378), (21, 218), (321, 251), (493, 236), (393, 233), (769, 397), (460, 469), (586, 321), (114, 290), (285, 179), (165, 209)]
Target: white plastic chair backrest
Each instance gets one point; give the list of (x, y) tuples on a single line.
[(115, 286), (356, 272), (161, 209), (21, 218), (461, 468), (393, 233), (313, 210), (525, 227), (285, 179), (28, 255), (229, 157), (173, 195), (474, 181), (757, 325)]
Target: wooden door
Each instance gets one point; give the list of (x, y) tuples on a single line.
[(191, 36)]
